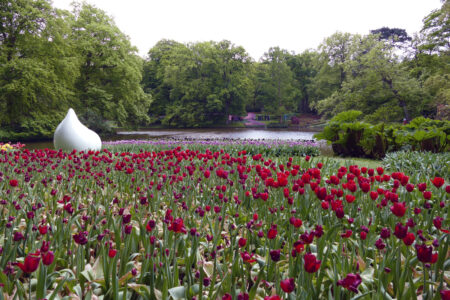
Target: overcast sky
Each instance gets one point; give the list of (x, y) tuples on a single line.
[(257, 25)]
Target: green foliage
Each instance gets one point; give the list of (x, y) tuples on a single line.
[(197, 85), (37, 69), (424, 134), (110, 70), (349, 137), (95, 122), (347, 116), (424, 165), (52, 59), (371, 80)]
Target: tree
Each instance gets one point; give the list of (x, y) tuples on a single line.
[(36, 68), (304, 68), (159, 57), (377, 84), (397, 37), (110, 69), (198, 84), (436, 27), (278, 86)]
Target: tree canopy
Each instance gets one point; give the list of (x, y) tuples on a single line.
[(53, 59)]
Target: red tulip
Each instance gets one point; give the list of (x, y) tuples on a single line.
[(272, 233), (438, 182), (427, 195), (287, 285), (409, 239), (425, 253), (226, 297), (47, 258), (177, 226), (351, 282), (400, 231), (275, 255), (445, 294), (247, 257), (311, 264), (242, 242), (347, 233), (112, 253), (13, 182), (43, 229), (31, 263), (399, 209)]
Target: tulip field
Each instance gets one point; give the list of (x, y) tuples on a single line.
[(223, 221)]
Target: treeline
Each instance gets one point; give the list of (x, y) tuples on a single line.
[(53, 59)]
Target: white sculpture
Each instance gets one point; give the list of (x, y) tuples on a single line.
[(71, 134)]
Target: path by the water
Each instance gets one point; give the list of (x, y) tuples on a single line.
[(249, 120)]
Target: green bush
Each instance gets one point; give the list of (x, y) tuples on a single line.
[(350, 137)]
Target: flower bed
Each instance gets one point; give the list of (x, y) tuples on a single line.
[(210, 224)]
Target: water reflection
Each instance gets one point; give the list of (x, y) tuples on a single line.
[(232, 133)]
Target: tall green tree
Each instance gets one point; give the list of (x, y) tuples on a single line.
[(159, 57), (37, 67), (198, 84), (110, 69), (304, 69), (277, 91), (376, 84)]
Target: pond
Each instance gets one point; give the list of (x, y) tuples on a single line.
[(228, 133)]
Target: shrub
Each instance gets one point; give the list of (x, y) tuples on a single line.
[(350, 137)]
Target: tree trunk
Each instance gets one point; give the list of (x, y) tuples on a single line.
[(401, 101)]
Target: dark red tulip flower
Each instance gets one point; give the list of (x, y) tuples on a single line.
[(438, 181), (242, 242), (112, 253), (13, 182), (226, 297), (379, 244), (399, 209), (81, 238), (385, 233), (275, 255), (47, 258), (43, 229), (272, 233), (31, 263), (351, 282), (400, 231), (311, 264), (347, 233), (425, 254), (177, 226), (445, 294), (247, 257), (437, 222), (150, 225), (287, 285), (409, 239)]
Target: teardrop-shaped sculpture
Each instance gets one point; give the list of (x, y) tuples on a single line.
[(71, 134)]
